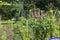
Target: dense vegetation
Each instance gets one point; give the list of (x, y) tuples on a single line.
[(18, 20)]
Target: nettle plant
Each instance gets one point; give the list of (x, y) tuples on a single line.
[(42, 27), (39, 29)]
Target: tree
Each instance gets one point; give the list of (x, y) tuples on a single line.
[(2, 3)]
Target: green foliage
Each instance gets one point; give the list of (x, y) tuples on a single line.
[(4, 3), (1, 26), (37, 30), (4, 36)]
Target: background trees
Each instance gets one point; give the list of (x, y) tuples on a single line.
[(16, 6)]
